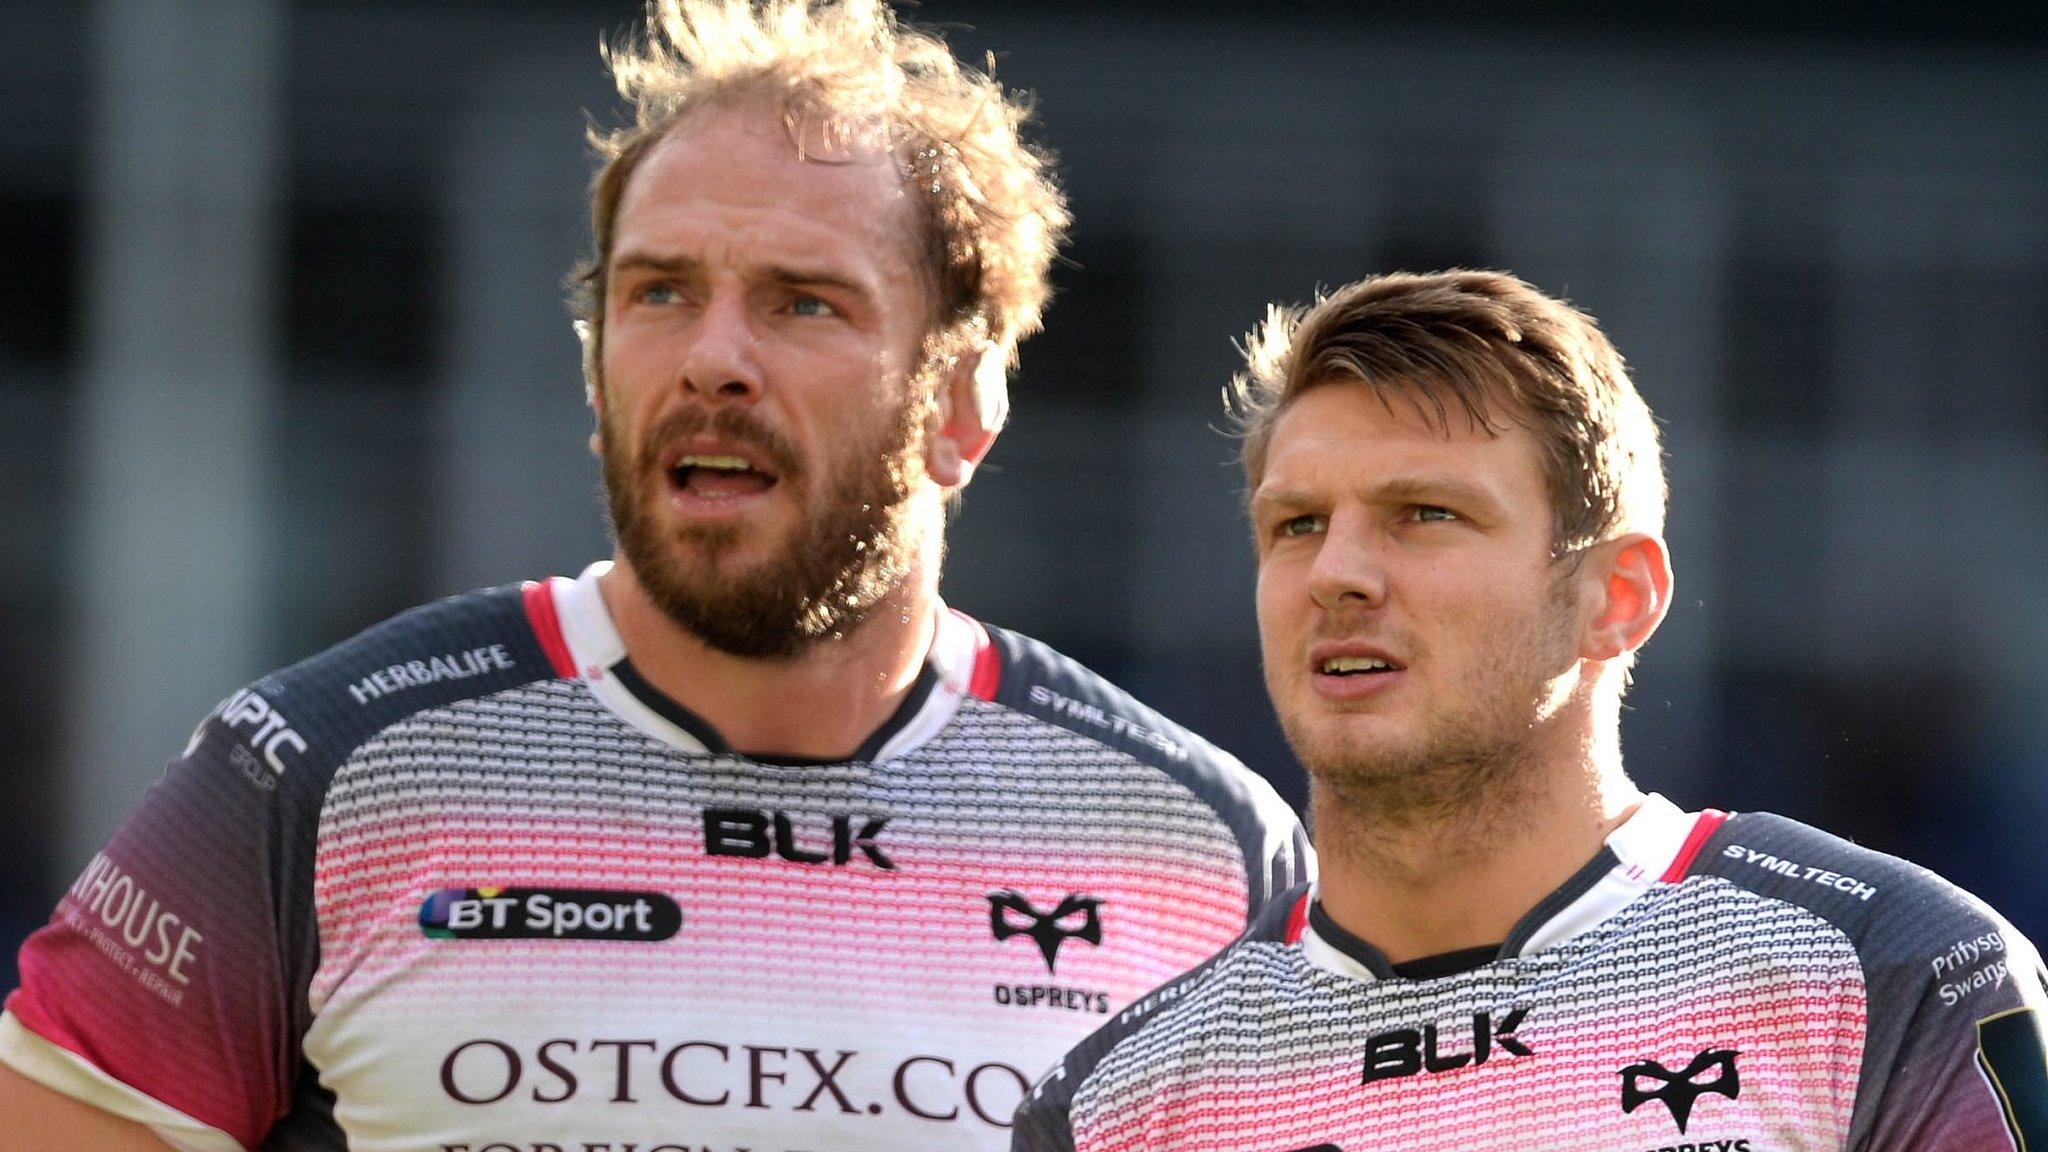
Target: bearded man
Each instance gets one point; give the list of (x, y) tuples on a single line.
[(742, 839), (1457, 502)]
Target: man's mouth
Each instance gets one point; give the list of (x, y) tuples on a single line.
[(718, 477), (1355, 665)]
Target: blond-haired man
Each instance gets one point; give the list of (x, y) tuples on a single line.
[(742, 839), (1457, 501)]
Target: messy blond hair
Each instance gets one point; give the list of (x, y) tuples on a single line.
[(1485, 345), (991, 214)]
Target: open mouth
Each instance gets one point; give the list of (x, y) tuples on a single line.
[(1355, 666), (718, 477)]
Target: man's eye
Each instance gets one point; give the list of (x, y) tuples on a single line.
[(1430, 513), (657, 294), (811, 306), (1301, 525)]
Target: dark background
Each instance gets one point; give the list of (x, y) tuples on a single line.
[(283, 351)]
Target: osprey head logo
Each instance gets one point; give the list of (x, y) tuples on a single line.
[(1679, 1090), (1010, 914)]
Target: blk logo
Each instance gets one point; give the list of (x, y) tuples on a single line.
[(1077, 917), (754, 834), (1680, 1090), (1412, 1051)]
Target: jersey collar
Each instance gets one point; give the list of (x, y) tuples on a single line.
[(1652, 846), (599, 657)]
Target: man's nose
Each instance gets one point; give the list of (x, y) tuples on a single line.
[(1349, 570), (723, 362)]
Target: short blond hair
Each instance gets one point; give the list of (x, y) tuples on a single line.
[(991, 213), (1491, 347)]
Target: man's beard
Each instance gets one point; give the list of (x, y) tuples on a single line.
[(825, 582), (1468, 763)]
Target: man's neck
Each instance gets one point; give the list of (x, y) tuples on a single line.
[(821, 704), (1424, 887)]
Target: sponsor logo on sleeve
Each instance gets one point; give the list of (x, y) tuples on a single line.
[(1797, 871), (1712, 1071), (1095, 716), (264, 727), (464, 665), (1970, 966), (132, 928), (243, 760), (549, 914)]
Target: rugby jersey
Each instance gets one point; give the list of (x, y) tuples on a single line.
[(467, 883), (1706, 984)]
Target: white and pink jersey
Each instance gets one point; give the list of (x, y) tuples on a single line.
[(466, 883), (1706, 984)]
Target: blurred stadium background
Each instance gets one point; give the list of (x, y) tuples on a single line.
[(283, 351)]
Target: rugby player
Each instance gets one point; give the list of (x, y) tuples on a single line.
[(742, 839), (1457, 500)]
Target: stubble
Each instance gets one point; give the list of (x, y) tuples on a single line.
[(1474, 767)]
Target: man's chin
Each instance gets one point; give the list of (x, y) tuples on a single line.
[(713, 555), (1353, 753), (742, 620), (1348, 770), (1350, 738), (718, 580), (714, 563)]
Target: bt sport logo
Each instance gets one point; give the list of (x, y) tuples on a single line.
[(549, 914)]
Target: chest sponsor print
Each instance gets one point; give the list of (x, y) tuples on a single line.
[(498, 913)]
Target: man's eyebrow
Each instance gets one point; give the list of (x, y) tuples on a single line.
[(786, 275), (791, 276), (1430, 489), (1280, 498), (1405, 490), (648, 261)]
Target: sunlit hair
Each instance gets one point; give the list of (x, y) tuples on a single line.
[(845, 73), (1485, 347)]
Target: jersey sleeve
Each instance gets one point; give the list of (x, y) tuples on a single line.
[(1952, 1054), (168, 986), (1969, 1070)]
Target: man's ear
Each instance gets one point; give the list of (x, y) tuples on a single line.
[(593, 395), (972, 401), (1631, 588)]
